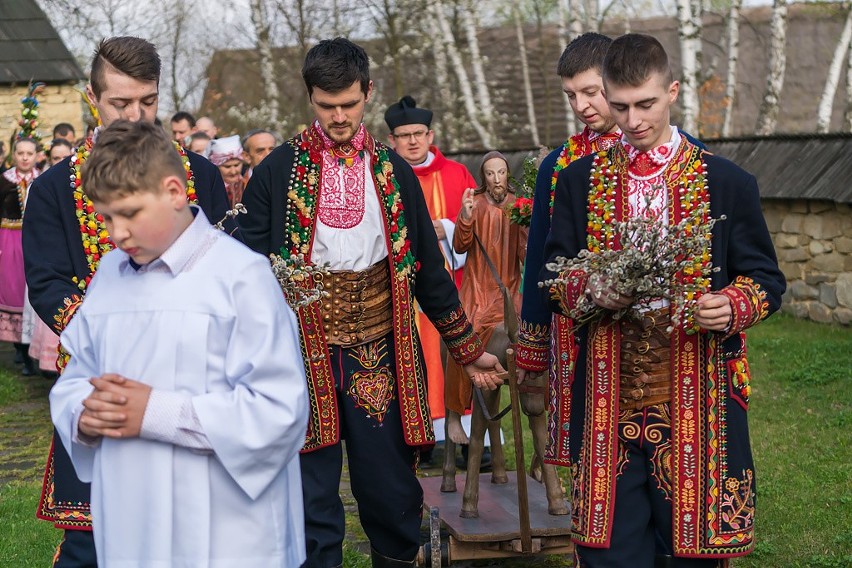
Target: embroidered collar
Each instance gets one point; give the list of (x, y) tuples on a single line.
[(644, 165), (586, 142), (605, 140), (15, 176), (347, 153)]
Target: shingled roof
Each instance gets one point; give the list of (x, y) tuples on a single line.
[(792, 166), (807, 166), (30, 48)]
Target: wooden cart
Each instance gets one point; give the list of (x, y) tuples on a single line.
[(513, 519)]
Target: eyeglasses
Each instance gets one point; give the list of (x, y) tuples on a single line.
[(413, 136)]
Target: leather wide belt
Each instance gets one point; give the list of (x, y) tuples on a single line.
[(358, 308), (645, 376)]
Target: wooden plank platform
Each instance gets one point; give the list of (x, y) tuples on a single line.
[(498, 510)]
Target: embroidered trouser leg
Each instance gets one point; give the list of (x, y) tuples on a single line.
[(381, 464), (642, 521)]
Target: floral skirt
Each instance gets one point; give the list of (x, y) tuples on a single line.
[(12, 284)]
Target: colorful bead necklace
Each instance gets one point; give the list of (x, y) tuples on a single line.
[(578, 146)]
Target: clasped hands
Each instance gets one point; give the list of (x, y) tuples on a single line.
[(115, 408), (714, 310)]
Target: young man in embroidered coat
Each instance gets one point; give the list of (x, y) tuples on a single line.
[(662, 467), (336, 196), (545, 341), (64, 240), (443, 182)]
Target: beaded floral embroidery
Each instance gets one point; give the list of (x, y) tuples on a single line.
[(570, 152), (576, 147)]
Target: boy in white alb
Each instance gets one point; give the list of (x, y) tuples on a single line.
[(184, 402)]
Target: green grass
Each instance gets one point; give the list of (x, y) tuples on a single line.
[(24, 541), (801, 413), (12, 390)]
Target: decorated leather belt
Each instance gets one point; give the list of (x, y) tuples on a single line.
[(358, 308), (645, 377)]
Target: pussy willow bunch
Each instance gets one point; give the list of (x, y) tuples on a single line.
[(230, 213), (655, 261), (294, 275)]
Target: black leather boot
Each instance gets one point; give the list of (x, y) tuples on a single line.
[(22, 353), (380, 561)]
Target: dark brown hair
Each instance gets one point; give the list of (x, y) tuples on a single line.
[(632, 58), (334, 64), (130, 157), (585, 52), (132, 56)]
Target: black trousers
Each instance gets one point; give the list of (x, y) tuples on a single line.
[(381, 465), (642, 521), (77, 550)]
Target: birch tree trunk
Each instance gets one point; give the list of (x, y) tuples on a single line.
[(260, 22), (447, 118), (468, 19), (179, 16), (826, 102), (565, 37), (689, 35), (767, 119), (732, 32), (591, 13), (575, 23), (847, 119), (446, 35), (387, 17), (525, 73)]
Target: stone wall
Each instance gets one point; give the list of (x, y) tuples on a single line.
[(814, 244), (58, 103)]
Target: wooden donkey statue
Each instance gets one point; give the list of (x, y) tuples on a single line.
[(485, 416)]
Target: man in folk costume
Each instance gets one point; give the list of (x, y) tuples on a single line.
[(662, 467), (64, 240), (334, 195), (443, 182), (545, 339)]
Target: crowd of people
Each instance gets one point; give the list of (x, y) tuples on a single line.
[(201, 418)]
